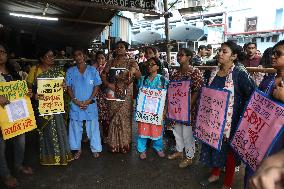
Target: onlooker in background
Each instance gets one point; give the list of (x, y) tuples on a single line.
[(258, 53), (141, 57), (252, 59), (209, 54), (198, 59)]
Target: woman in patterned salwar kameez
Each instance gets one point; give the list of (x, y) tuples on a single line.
[(54, 145), (120, 112)]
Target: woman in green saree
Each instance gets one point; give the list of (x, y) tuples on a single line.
[(54, 145)]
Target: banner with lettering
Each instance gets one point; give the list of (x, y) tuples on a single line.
[(52, 102), (259, 128), (150, 105), (211, 116), (17, 117), (14, 89), (179, 101)]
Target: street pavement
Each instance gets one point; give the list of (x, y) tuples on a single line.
[(114, 171)]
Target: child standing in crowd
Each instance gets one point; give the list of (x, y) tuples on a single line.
[(155, 80), (183, 133), (231, 76), (273, 86), (83, 84)]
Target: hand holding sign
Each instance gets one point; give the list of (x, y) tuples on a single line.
[(4, 101)]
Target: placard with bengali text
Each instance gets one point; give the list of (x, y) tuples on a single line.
[(17, 117), (150, 105), (211, 116), (53, 101), (260, 126), (179, 101)]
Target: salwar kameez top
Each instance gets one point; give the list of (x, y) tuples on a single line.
[(243, 88)]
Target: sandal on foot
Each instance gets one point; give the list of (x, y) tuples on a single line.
[(77, 154), (26, 170), (206, 182), (11, 182), (96, 155), (143, 155)]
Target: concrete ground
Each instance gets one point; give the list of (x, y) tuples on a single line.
[(121, 171)]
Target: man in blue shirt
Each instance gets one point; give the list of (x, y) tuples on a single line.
[(83, 83)]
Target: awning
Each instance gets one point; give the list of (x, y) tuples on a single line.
[(186, 33), (77, 25)]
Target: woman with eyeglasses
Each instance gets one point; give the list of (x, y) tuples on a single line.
[(183, 133), (154, 80), (53, 139), (118, 77), (273, 86), (8, 73)]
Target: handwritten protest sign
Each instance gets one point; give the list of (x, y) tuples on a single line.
[(14, 89), (211, 116), (53, 102), (17, 117), (260, 126), (179, 101), (150, 105)]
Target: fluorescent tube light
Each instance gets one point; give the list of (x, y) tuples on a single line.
[(34, 17)]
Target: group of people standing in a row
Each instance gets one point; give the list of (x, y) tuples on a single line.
[(87, 88)]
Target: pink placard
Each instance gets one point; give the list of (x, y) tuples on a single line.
[(260, 125), (211, 116), (179, 101)]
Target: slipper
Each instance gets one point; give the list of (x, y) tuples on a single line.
[(26, 170), (11, 182), (206, 182), (77, 154), (96, 155), (143, 155)]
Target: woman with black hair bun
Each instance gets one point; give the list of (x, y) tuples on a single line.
[(120, 87), (53, 139), (8, 73), (230, 75)]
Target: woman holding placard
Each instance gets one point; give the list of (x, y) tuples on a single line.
[(153, 80), (53, 139), (118, 77), (7, 73), (232, 76), (183, 132), (273, 86)]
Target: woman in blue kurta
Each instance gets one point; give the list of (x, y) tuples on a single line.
[(268, 86), (154, 80), (83, 83), (231, 76)]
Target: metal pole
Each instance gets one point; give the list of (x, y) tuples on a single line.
[(166, 15)]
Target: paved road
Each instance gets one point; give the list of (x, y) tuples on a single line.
[(121, 171)]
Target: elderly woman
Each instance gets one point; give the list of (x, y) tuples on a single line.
[(121, 84)]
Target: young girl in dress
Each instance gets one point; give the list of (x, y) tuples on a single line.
[(155, 80)]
